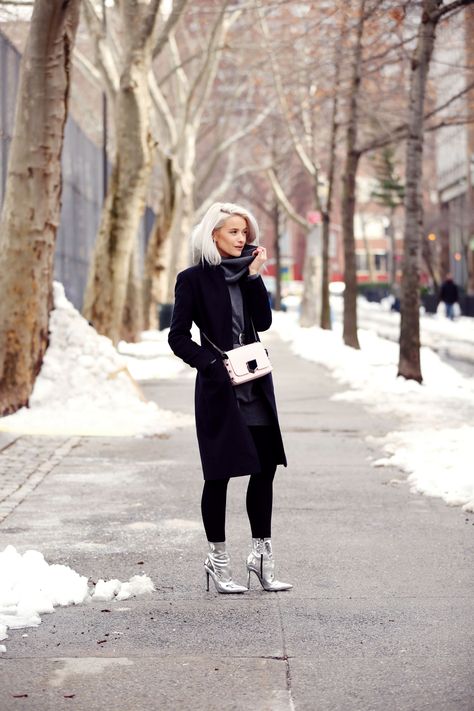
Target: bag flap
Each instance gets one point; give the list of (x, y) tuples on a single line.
[(239, 357)]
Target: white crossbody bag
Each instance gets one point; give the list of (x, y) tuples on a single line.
[(245, 363)]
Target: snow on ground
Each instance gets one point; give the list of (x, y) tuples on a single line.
[(85, 388), (434, 421), (151, 358), (30, 587), (453, 339)]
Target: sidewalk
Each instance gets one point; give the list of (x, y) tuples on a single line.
[(382, 609)]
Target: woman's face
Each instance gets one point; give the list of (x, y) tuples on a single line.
[(231, 237)]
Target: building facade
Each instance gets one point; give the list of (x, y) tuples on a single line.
[(453, 69)]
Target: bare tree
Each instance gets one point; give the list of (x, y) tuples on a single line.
[(349, 187), (180, 99), (143, 36), (432, 11), (307, 138), (32, 203)]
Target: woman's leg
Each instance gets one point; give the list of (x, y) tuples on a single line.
[(259, 506), (213, 503), (260, 503), (260, 487)]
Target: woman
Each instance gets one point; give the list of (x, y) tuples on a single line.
[(237, 426)]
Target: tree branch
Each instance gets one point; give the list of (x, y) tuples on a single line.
[(299, 148), (400, 131), (230, 140), (284, 202), (450, 7), (176, 12)]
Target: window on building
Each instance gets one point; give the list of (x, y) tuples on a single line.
[(380, 262), (361, 261)]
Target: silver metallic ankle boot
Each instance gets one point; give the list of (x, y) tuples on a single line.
[(217, 565), (260, 561)]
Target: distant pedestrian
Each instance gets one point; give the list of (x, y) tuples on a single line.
[(449, 294), (237, 425)]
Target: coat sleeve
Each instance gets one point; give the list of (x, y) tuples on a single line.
[(179, 337), (258, 303)]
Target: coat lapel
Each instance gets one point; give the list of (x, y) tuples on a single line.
[(217, 297)]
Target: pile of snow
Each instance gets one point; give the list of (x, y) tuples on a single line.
[(30, 587), (108, 589), (84, 386), (151, 358), (435, 418), (453, 339)]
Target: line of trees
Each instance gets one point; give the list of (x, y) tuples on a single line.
[(205, 102)]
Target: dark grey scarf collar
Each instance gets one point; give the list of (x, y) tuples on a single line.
[(236, 267)]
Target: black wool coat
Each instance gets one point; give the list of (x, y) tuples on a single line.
[(226, 446)]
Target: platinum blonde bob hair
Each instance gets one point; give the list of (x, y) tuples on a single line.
[(203, 246)]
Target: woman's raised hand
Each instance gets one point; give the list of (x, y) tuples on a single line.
[(260, 254)]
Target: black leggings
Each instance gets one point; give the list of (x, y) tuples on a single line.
[(259, 493)]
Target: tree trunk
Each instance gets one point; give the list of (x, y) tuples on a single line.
[(180, 230), (444, 239), (350, 273), (106, 291), (368, 253), (409, 362), (326, 214), (32, 206), (276, 223), (430, 261), (470, 232), (325, 305), (132, 320), (393, 256), (156, 257), (310, 307), (348, 193)]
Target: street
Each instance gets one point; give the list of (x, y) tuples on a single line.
[(380, 616)]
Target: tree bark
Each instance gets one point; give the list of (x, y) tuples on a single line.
[(156, 261), (368, 253), (327, 211), (310, 305), (349, 190), (444, 240), (409, 361), (429, 258), (106, 290), (393, 256), (180, 229), (325, 305), (350, 273), (132, 319), (32, 205), (277, 250)]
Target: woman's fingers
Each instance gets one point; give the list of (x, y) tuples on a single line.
[(260, 252)]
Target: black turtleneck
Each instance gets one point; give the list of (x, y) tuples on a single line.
[(235, 269), (252, 404)]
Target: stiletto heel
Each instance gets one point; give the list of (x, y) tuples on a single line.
[(260, 561), (207, 581), (217, 565)]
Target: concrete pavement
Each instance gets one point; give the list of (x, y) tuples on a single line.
[(381, 615)]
